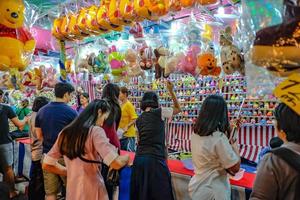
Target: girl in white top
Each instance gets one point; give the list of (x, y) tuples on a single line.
[(213, 155)]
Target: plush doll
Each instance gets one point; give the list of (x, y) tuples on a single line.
[(103, 18), (5, 81), (117, 64), (38, 77), (128, 12), (49, 80), (175, 6), (187, 3), (142, 8), (27, 79), (207, 64), (137, 30), (134, 69), (83, 65), (159, 7), (15, 41), (207, 2), (146, 58), (91, 22), (99, 63), (116, 14), (188, 64), (73, 31), (231, 57), (161, 51), (169, 63)]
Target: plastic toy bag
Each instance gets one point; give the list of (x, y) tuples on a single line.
[(17, 43), (271, 36)]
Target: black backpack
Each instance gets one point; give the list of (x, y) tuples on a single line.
[(292, 159)]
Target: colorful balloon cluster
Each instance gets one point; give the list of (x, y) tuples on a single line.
[(114, 15)]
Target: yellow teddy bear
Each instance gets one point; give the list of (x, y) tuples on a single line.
[(16, 43)]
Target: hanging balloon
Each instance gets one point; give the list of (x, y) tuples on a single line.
[(16, 42)]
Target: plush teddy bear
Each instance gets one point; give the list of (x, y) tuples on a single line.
[(146, 58), (16, 43), (207, 64), (169, 63), (231, 57), (159, 52), (134, 69)]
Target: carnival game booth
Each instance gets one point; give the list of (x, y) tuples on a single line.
[(204, 47)]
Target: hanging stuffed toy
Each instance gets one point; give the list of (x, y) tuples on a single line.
[(117, 64), (131, 59), (159, 70), (28, 79), (187, 3), (159, 7), (17, 44), (207, 2), (103, 18), (231, 57), (99, 62), (50, 79), (116, 14), (137, 30), (142, 8), (175, 6), (127, 11), (146, 58), (207, 64), (169, 63), (5, 81), (188, 63)]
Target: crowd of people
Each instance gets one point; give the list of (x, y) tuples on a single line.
[(76, 151)]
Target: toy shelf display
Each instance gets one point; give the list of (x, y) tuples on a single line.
[(256, 112)]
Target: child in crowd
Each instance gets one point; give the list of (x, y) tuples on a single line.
[(36, 184), (84, 144), (213, 155), (150, 178), (275, 142)]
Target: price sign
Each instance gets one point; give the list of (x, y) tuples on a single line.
[(289, 92)]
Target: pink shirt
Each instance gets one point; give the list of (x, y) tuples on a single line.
[(84, 180)]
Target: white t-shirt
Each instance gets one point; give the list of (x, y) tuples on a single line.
[(211, 155)]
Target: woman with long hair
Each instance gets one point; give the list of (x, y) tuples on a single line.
[(151, 178), (111, 93), (83, 144), (213, 155), (84, 99)]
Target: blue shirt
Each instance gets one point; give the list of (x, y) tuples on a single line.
[(52, 118)]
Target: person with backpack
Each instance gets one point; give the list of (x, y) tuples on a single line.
[(278, 175)]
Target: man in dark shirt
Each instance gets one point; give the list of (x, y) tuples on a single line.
[(6, 147), (50, 121)]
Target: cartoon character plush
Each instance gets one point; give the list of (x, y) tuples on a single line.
[(231, 57), (188, 63), (187, 3), (159, 7), (146, 58), (207, 2), (5, 81), (83, 65), (207, 64), (103, 18), (56, 28), (49, 80), (169, 63), (127, 11), (142, 8), (73, 30), (131, 59), (116, 61), (175, 6), (116, 14), (159, 52), (15, 41), (99, 62), (27, 79), (39, 74), (137, 30)]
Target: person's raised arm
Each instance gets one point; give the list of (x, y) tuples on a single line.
[(176, 106)]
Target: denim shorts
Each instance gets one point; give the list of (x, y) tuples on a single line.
[(6, 155)]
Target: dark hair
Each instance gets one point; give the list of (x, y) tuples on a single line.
[(213, 117), (150, 99), (62, 88), (288, 121), (25, 103), (111, 93), (72, 139), (39, 102), (124, 90), (85, 95), (275, 142), (1, 92)]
